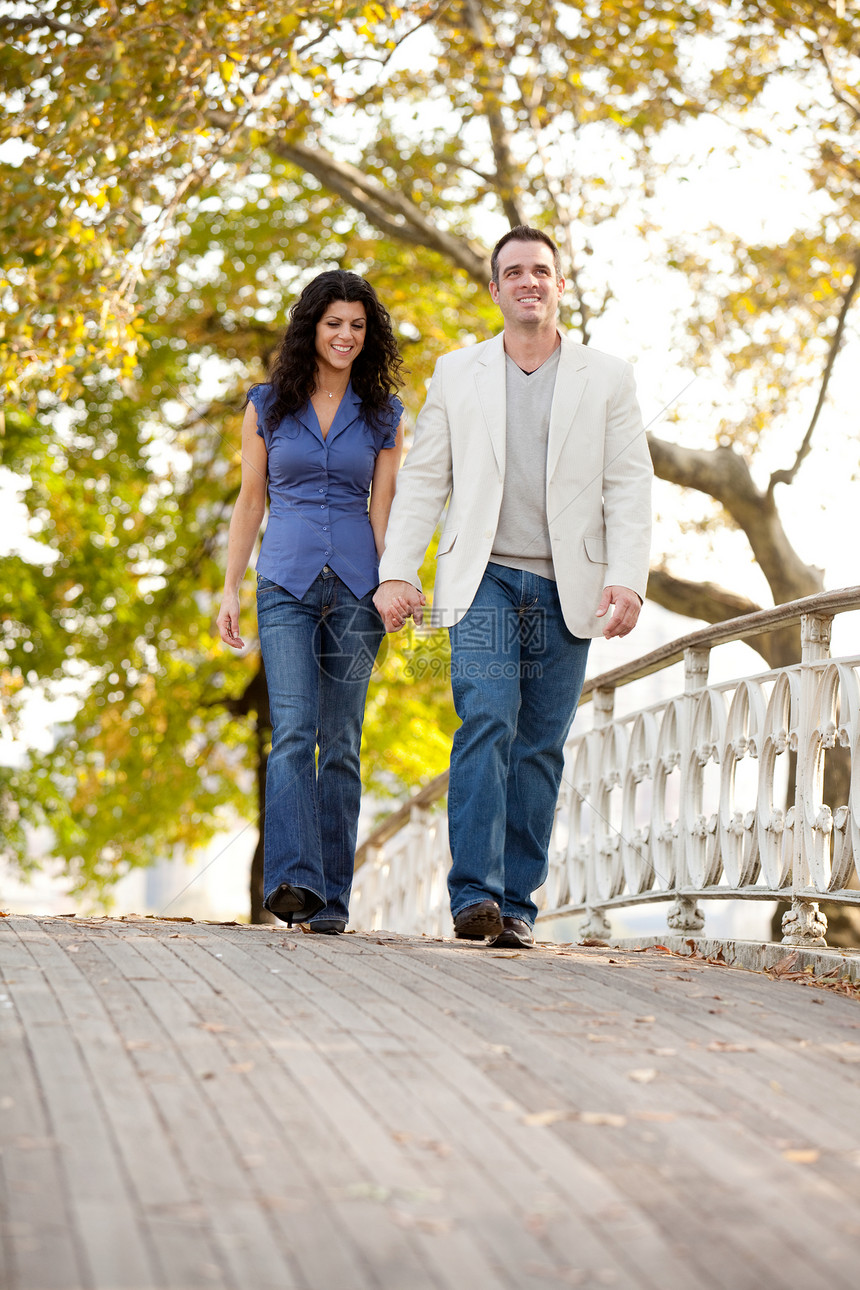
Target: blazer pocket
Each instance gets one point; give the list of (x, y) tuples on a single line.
[(446, 543), (595, 548)]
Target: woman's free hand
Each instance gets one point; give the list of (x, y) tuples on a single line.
[(228, 622)]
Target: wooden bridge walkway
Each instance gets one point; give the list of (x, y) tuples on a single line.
[(189, 1105)]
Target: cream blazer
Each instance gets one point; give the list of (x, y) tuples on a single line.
[(598, 482)]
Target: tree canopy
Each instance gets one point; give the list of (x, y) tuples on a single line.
[(173, 172)]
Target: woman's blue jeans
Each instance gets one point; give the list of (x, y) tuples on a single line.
[(516, 675), (318, 653)]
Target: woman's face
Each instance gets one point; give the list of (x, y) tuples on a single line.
[(340, 335)]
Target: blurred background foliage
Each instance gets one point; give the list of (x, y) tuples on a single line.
[(174, 172)]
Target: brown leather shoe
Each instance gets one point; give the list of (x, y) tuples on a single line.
[(515, 935), (477, 921)]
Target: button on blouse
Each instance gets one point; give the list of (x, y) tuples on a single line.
[(318, 493)]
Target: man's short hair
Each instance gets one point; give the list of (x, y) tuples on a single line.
[(523, 233)]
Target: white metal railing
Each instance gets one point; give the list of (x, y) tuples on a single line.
[(682, 801)]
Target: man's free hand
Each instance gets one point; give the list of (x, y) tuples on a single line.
[(624, 614), (397, 601)]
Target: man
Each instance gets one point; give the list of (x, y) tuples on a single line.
[(537, 444)]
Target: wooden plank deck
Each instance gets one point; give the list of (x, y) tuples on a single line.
[(187, 1105)]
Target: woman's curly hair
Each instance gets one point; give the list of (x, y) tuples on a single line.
[(374, 373)]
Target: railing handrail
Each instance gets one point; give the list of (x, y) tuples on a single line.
[(732, 629)]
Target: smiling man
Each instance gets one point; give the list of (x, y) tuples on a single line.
[(537, 445)]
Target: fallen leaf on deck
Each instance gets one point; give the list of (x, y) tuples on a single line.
[(801, 1155), (438, 1148), (784, 965), (367, 1191), (723, 1046), (664, 1052), (643, 1076), (601, 1118), (537, 1118), (591, 941), (433, 1226), (242, 1068), (642, 1021)]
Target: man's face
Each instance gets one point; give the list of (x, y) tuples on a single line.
[(528, 290)]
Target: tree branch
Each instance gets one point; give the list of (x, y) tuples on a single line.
[(431, 15), (53, 24), (705, 600), (841, 96), (723, 474), (388, 211), (714, 604), (787, 476), (491, 86)]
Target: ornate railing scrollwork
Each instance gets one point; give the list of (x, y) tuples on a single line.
[(715, 793)]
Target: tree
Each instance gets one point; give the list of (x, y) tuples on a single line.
[(189, 165)]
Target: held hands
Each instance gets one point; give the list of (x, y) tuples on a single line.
[(228, 622), (397, 601), (624, 615)]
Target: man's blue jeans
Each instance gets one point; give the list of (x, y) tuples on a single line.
[(318, 654), (516, 675)]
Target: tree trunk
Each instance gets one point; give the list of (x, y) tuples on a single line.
[(254, 700), (258, 913)]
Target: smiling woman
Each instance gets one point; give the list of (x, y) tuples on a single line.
[(323, 436)]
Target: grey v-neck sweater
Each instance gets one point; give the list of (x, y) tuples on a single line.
[(522, 536)]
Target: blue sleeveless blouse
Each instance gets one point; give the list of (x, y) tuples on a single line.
[(318, 494)]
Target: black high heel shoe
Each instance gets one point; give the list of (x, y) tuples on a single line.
[(329, 926), (293, 903)]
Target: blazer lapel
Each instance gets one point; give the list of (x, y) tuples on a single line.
[(490, 384), (569, 387)]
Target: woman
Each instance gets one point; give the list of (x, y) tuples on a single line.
[(322, 435)]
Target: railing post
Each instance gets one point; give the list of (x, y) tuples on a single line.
[(595, 925), (684, 913), (804, 923)]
